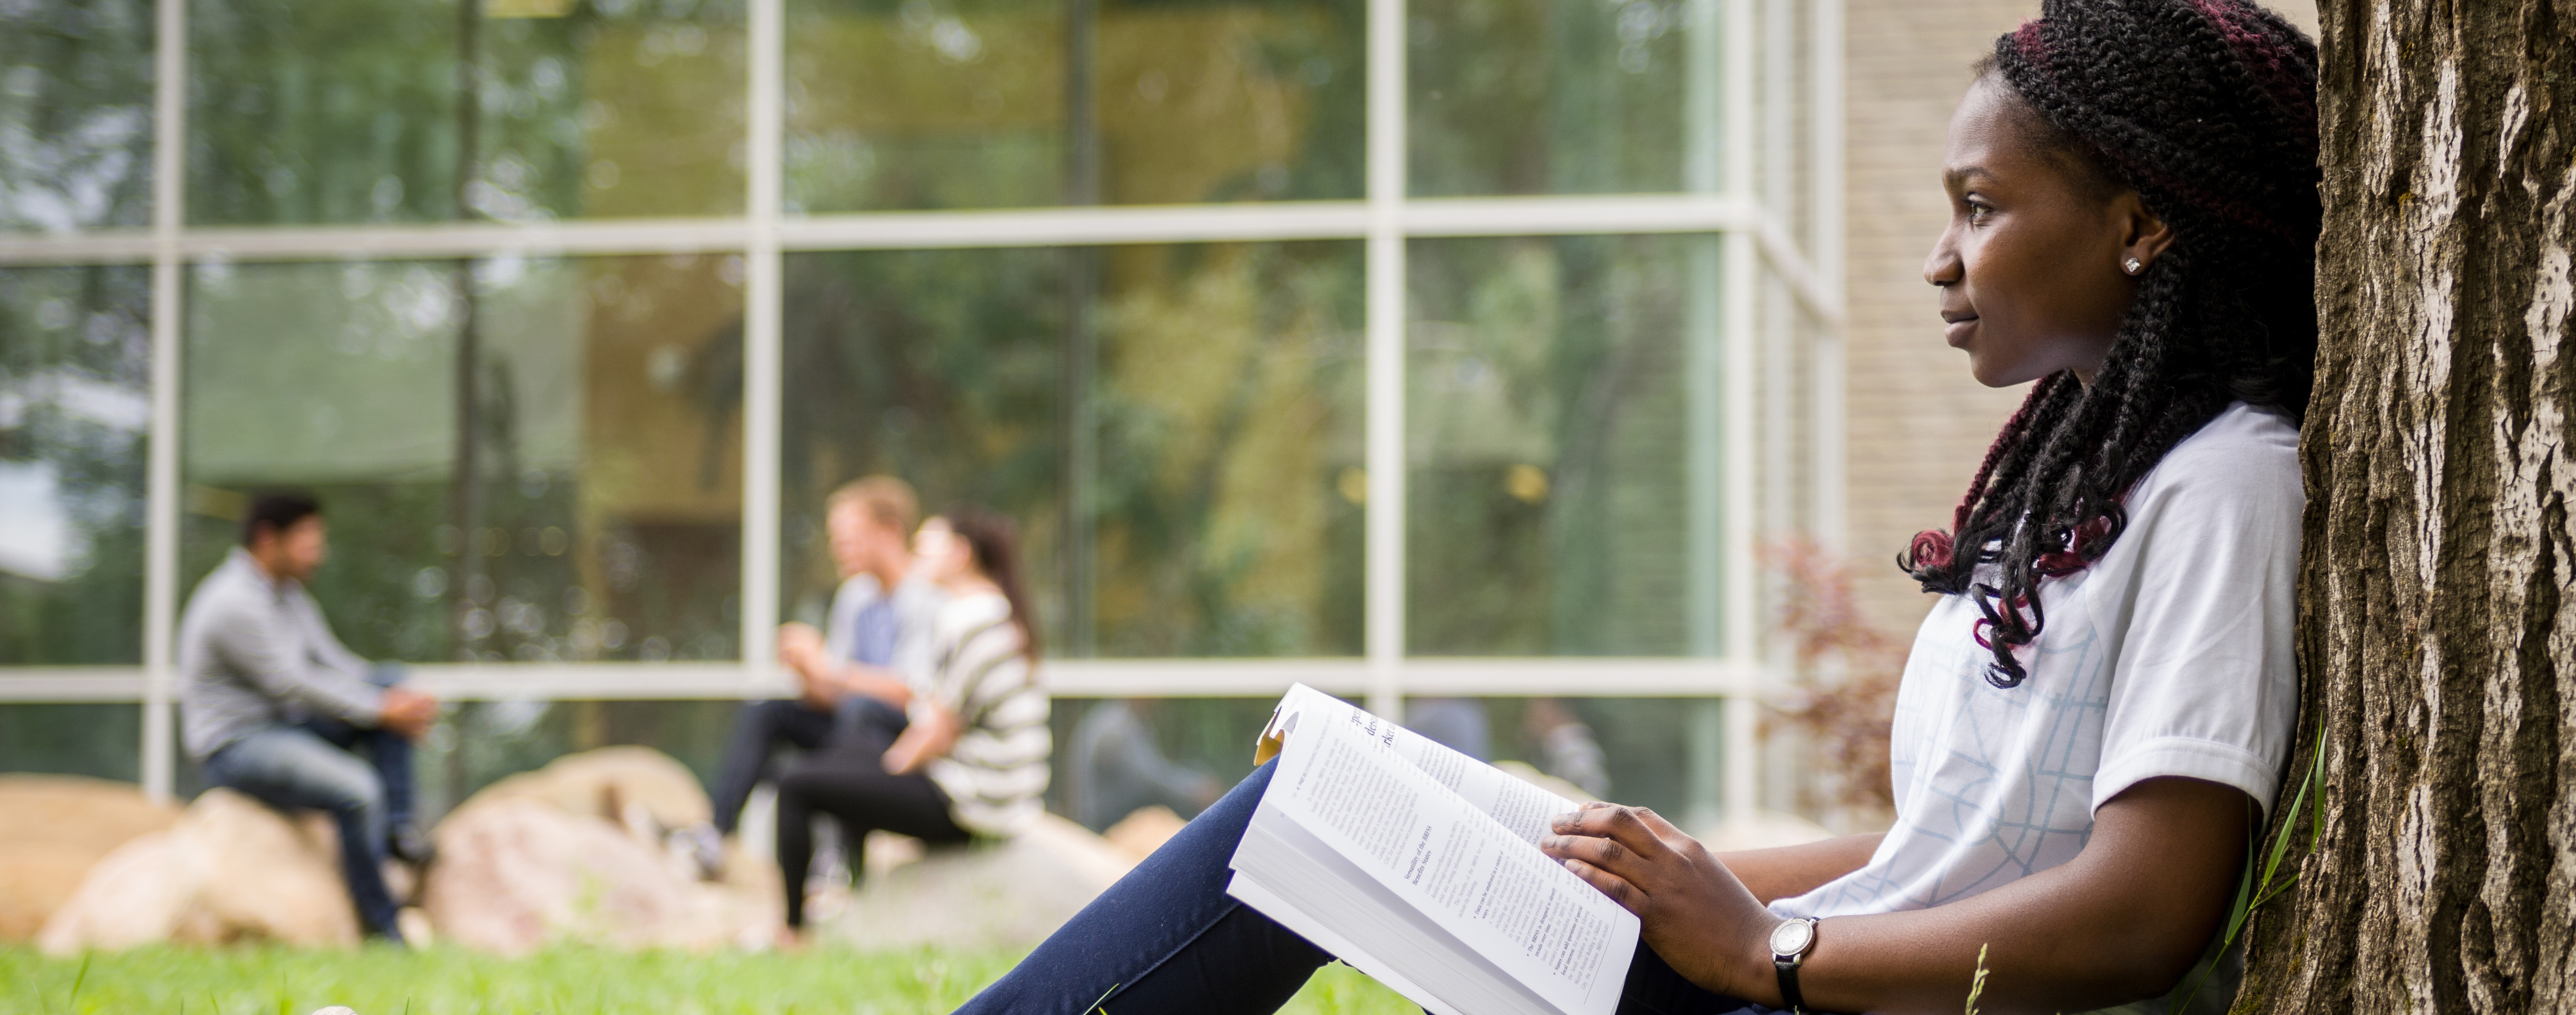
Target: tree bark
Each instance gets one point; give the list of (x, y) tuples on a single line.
[(2438, 628)]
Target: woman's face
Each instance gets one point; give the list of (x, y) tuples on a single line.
[(2030, 266), (939, 554)]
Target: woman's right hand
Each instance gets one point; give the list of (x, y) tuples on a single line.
[(932, 733), (1690, 908)]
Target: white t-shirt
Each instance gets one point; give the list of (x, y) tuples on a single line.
[(2170, 656)]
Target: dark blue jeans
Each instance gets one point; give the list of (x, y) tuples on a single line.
[(310, 765), (1166, 938)]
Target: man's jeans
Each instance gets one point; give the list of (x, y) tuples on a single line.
[(1166, 938), (310, 765)]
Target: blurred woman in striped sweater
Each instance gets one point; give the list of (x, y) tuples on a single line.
[(972, 760)]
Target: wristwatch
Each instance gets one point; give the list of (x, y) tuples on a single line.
[(1790, 943)]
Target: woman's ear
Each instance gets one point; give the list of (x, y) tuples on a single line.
[(2143, 236)]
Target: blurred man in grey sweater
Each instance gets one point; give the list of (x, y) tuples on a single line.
[(273, 705)]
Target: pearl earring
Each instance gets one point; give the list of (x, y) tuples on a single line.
[(2132, 266)]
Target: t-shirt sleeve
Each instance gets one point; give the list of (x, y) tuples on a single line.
[(2205, 682)]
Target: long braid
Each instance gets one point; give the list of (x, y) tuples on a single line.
[(2207, 108)]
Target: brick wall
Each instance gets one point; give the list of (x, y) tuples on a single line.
[(1917, 422)]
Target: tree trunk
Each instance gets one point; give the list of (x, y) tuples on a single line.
[(2438, 627)]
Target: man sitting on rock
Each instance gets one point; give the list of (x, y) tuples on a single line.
[(857, 676), (273, 705)]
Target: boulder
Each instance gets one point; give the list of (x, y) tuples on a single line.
[(578, 852), (638, 787), (514, 875), (230, 869), (1144, 830), (60, 826), (983, 894)]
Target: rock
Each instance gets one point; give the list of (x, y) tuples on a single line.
[(983, 894), (1144, 830), (60, 826), (231, 869), (637, 787), (519, 873)]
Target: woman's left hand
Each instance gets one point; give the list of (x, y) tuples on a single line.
[(1696, 915)]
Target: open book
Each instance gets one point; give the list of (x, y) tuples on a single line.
[(1420, 866)]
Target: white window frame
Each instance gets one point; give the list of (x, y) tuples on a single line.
[(1720, 199)]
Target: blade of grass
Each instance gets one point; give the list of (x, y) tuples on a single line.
[(77, 982), (2250, 894), (1977, 984), (1104, 995), (2281, 845)]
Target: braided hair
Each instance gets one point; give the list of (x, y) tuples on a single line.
[(2206, 108)]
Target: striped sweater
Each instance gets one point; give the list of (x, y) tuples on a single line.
[(996, 773)]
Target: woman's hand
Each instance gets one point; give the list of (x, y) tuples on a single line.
[(933, 731), (1696, 915)]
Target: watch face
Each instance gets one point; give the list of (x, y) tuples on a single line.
[(1791, 938)]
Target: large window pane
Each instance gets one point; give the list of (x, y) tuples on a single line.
[(75, 405), (998, 103), (1176, 428), (102, 740), (1547, 96), (76, 115), (1546, 427), (514, 110), (529, 459)]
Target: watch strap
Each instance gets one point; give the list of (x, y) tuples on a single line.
[(1788, 968)]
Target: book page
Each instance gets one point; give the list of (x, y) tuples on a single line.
[(1343, 777), (1521, 807)]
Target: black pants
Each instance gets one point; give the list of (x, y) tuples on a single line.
[(847, 780), (765, 727)]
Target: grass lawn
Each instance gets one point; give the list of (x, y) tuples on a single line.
[(438, 981)]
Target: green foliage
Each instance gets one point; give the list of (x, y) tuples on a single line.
[(2253, 892), (438, 981)]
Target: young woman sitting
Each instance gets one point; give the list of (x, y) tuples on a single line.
[(2098, 709), (972, 759)]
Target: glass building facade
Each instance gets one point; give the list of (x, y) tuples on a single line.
[(1445, 348)]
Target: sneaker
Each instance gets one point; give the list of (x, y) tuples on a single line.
[(408, 845), (706, 849)]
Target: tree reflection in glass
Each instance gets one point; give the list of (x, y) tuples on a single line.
[(75, 410), (316, 111), (1546, 426), (1171, 446), (1547, 96), (548, 472), (76, 115), (918, 104)]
